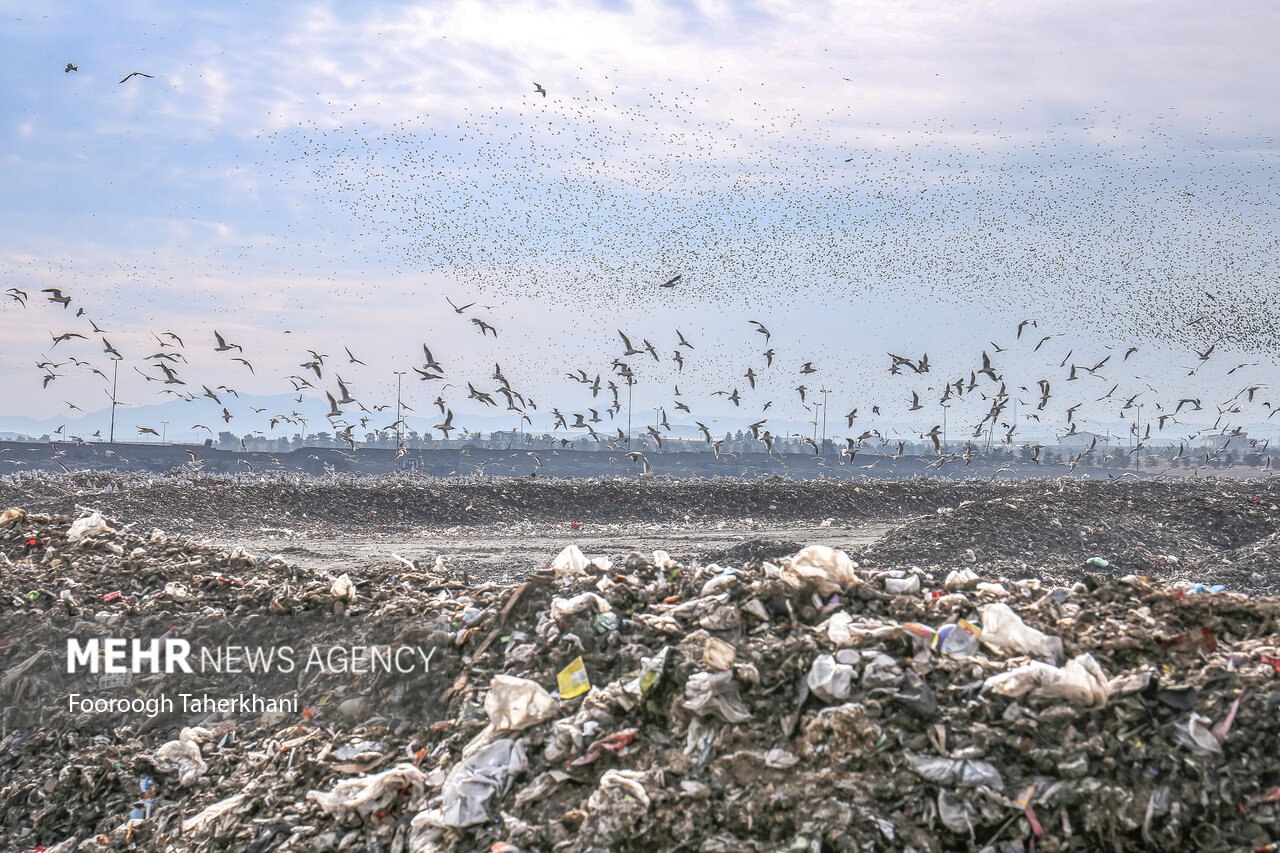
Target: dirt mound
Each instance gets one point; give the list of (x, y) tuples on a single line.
[(197, 504), (752, 551), (1055, 527)]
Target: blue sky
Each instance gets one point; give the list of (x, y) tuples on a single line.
[(863, 178)]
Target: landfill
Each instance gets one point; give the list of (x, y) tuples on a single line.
[(811, 700), (1214, 530)]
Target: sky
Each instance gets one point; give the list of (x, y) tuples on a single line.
[(861, 178)]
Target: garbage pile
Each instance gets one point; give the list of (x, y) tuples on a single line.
[(806, 702), (1215, 531)]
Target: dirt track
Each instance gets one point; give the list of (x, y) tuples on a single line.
[(500, 553)]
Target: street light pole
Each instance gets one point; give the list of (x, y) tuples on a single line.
[(825, 392), (164, 430), (1137, 439), (115, 372), (630, 383), (399, 427)]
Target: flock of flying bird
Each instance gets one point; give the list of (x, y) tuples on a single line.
[(1005, 406), (596, 189)]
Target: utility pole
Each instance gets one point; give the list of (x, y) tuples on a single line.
[(399, 428), (816, 406), (1137, 439), (164, 430), (630, 382), (825, 392), (115, 371)]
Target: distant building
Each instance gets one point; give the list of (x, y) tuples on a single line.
[(1237, 443), (1082, 440)]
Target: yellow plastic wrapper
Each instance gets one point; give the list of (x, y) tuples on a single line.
[(573, 680)]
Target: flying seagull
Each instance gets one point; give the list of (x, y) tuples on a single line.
[(223, 346), (136, 74), (58, 297), (538, 90)]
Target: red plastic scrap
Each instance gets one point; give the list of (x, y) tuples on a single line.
[(113, 596), (1036, 828), (615, 742), (1274, 663)]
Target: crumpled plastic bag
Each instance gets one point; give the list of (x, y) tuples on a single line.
[(630, 782), (477, 778), (562, 607), (570, 561), (615, 808), (881, 671), (708, 694), (828, 680), (960, 579), (956, 813), (90, 525), (828, 569), (514, 703), (181, 757), (343, 589), (964, 773), (368, 795), (1195, 734), (909, 585), (1004, 632), (663, 561), (1081, 681)]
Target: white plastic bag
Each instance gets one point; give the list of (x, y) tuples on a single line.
[(562, 607), (708, 694), (828, 569), (570, 561), (828, 680), (963, 773), (1004, 632), (1081, 681), (516, 703), (368, 795), (343, 588), (477, 778), (181, 757), (90, 525), (902, 586)]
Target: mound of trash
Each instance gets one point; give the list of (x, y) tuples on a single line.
[(805, 703), (1214, 532)]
